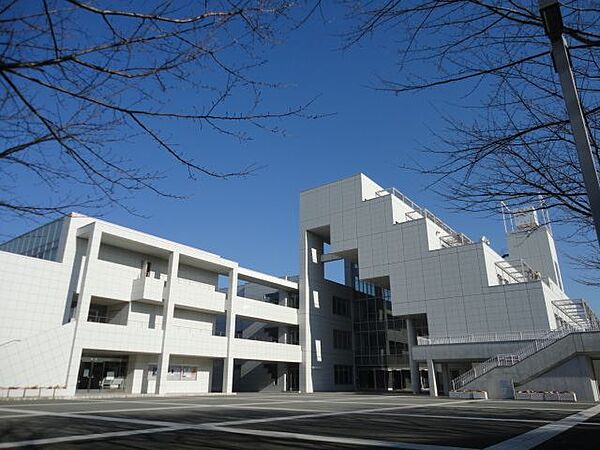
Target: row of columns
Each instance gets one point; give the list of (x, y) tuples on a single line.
[(230, 319), (83, 306), (228, 366), (414, 367)]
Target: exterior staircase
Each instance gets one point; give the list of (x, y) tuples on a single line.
[(508, 360)]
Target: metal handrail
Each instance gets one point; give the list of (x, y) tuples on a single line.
[(514, 358), (460, 237), (482, 337)]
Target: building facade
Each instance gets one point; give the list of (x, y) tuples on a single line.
[(431, 304), (89, 306)]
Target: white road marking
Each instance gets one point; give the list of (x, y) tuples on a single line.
[(540, 435), (275, 408), (531, 407), (329, 414), (522, 442), (475, 418), (335, 440), (85, 437), (21, 404), (171, 426), (25, 412)]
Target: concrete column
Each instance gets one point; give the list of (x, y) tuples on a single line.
[(83, 305), (591, 375), (168, 309), (311, 275), (431, 374), (228, 363), (415, 379), (445, 379)]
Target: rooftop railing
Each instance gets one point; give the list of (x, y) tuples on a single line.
[(453, 238), (516, 271)]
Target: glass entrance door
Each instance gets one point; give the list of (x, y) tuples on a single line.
[(90, 375), (93, 370)]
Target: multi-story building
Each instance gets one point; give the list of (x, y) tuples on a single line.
[(89, 305), (417, 281)]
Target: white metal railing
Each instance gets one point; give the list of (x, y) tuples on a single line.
[(482, 337), (516, 270), (575, 312), (511, 359), (456, 237)]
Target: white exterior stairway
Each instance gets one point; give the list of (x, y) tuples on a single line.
[(509, 360)]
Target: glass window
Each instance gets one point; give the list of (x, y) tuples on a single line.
[(342, 374), (341, 306), (39, 243), (342, 339)]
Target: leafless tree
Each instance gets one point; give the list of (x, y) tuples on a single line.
[(516, 144), (83, 82)]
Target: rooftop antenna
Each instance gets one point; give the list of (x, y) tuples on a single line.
[(507, 219), (545, 213)]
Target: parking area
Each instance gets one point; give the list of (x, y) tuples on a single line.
[(275, 421)]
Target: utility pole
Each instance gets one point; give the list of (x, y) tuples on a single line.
[(553, 24)]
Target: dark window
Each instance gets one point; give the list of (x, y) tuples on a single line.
[(341, 306), (272, 297), (342, 339), (293, 301), (342, 374)]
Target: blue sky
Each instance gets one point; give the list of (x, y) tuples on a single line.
[(254, 220)]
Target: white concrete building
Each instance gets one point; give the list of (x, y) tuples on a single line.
[(92, 306), (465, 302), (88, 304)]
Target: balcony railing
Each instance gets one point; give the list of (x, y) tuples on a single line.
[(196, 332), (130, 324), (198, 295), (148, 289)]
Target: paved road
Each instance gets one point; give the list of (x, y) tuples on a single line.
[(277, 421)]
